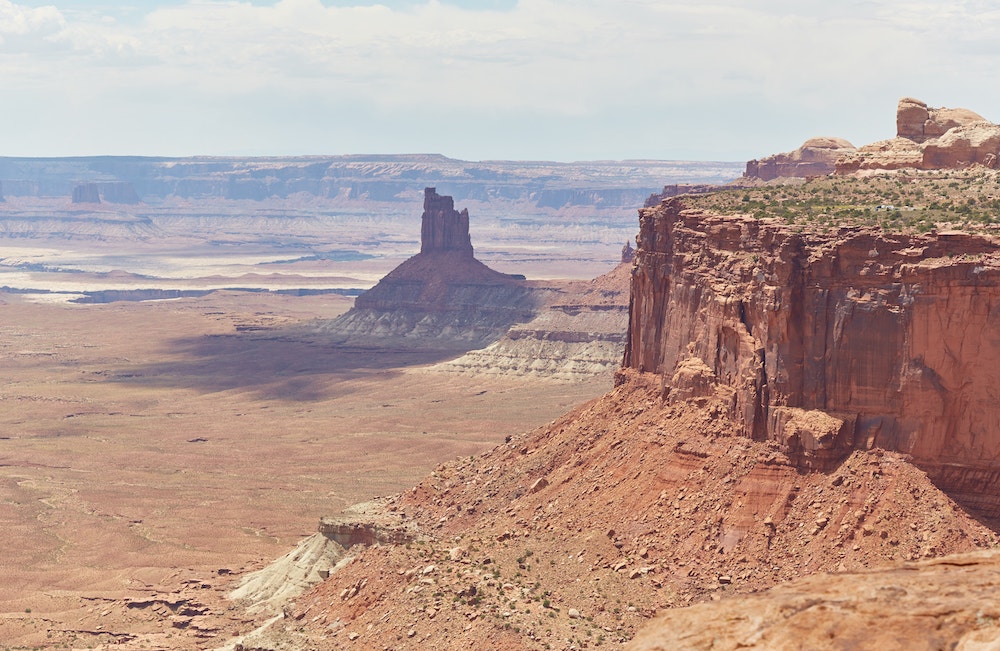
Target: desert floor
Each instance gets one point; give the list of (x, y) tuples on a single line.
[(148, 449)]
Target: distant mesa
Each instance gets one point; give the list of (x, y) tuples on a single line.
[(86, 193), (114, 192), (394, 179), (678, 189)]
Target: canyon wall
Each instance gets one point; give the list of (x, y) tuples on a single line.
[(829, 342)]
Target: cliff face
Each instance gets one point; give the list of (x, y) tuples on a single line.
[(86, 193), (829, 343)]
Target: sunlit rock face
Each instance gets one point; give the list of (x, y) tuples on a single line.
[(828, 343), (929, 138)]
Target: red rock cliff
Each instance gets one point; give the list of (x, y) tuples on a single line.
[(829, 343)]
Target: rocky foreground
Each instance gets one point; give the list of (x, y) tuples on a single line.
[(576, 534)]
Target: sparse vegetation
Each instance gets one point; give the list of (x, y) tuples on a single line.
[(902, 201)]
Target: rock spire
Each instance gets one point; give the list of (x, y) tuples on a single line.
[(442, 228)]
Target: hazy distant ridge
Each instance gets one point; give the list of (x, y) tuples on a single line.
[(374, 177)]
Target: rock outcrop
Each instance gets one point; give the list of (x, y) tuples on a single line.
[(816, 157), (917, 122), (442, 228), (627, 506), (949, 603), (440, 298), (677, 189), (826, 343), (929, 138)]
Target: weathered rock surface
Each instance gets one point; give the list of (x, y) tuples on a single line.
[(287, 577), (442, 297), (929, 138), (816, 157), (892, 337), (945, 603), (917, 122)]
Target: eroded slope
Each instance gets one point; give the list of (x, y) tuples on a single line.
[(580, 531)]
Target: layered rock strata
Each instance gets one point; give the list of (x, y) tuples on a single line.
[(577, 337), (826, 343), (442, 297)]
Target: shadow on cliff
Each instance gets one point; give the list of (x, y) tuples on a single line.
[(277, 367)]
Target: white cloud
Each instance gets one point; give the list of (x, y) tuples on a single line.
[(631, 77), (17, 19)]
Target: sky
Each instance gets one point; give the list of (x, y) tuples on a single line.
[(559, 80)]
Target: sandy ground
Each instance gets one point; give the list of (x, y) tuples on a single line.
[(146, 448)]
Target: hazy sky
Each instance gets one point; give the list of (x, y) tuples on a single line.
[(518, 79)]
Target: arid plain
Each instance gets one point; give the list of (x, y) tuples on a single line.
[(151, 452)]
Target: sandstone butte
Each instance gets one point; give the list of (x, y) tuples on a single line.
[(443, 296), (790, 403), (926, 138)]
